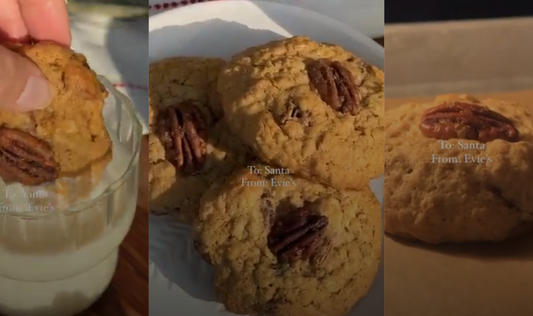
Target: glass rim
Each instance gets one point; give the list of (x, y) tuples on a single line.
[(112, 187)]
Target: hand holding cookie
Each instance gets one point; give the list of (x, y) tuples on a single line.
[(22, 85)]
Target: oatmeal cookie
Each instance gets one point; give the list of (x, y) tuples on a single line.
[(458, 170), (311, 107), (152, 112), (67, 136), (284, 246), (189, 147), (178, 79)]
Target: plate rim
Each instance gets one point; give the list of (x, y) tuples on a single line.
[(155, 21)]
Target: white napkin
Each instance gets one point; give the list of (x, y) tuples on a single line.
[(118, 50), (371, 25)]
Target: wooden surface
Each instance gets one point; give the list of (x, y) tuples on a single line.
[(128, 293)]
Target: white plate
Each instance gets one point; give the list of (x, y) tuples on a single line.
[(367, 16), (180, 283)]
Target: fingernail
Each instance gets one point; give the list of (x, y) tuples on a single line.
[(36, 95)]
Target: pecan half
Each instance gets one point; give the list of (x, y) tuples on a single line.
[(335, 85), (297, 235), (467, 121), (25, 158), (183, 133)]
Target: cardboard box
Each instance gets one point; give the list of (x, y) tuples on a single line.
[(490, 58)]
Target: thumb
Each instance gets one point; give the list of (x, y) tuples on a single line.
[(22, 85)]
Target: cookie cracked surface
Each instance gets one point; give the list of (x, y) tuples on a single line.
[(293, 249), (67, 136), (311, 107), (442, 195), (189, 145)]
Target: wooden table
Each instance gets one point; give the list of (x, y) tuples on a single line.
[(128, 293)]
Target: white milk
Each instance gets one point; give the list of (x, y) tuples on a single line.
[(66, 281)]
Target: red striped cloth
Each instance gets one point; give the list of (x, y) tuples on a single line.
[(174, 4), (130, 86)]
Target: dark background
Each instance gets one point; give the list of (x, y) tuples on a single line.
[(402, 11)]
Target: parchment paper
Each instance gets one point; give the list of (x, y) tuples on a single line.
[(459, 280)]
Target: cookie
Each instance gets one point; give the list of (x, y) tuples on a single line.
[(65, 137), (178, 79), (152, 112), (284, 246), (189, 146), (314, 108), (458, 170)]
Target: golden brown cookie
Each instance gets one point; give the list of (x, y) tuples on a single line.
[(152, 112), (458, 170), (67, 136), (285, 246), (189, 146), (314, 108)]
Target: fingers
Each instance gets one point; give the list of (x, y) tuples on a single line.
[(46, 20), (40, 19), (22, 85), (11, 24)]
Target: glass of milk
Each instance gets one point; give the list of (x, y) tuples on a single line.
[(59, 241)]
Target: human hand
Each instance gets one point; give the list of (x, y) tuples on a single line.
[(22, 85)]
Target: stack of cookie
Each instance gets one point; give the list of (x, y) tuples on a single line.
[(269, 158)]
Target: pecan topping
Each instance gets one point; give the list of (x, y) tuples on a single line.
[(294, 113), (267, 208), (25, 158), (297, 235), (467, 121), (183, 132), (335, 85)]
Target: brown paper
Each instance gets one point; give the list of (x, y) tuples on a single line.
[(481, 56), (524, 97), (459, 280)]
